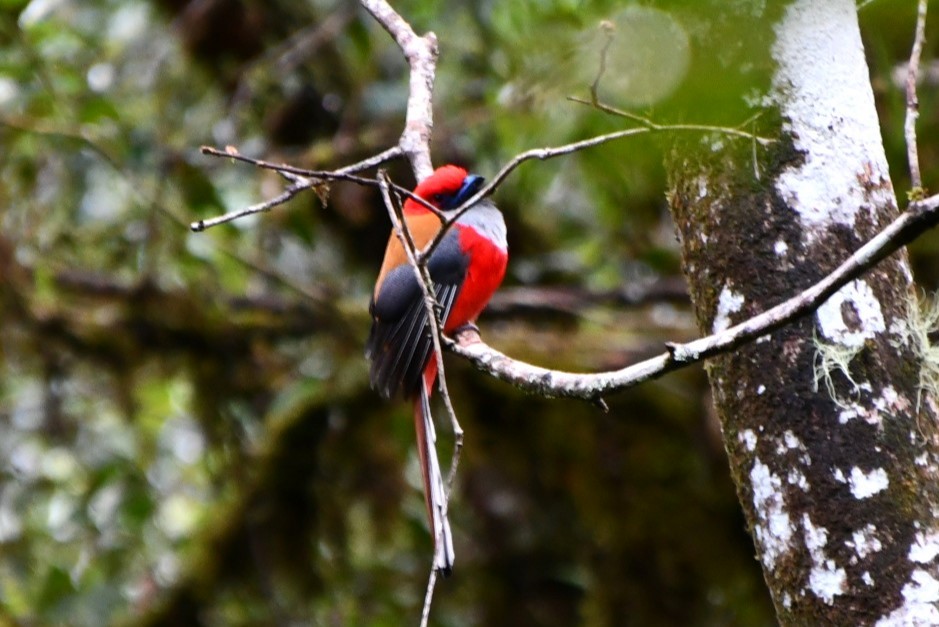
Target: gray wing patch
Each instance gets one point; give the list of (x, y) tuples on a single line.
[(399, 349), (400, 343)]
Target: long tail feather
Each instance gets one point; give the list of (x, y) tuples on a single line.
[(434, 491)]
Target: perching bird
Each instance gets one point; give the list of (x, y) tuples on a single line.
[(466, 268)]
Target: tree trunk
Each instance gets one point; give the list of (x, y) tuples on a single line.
[(831, 440)]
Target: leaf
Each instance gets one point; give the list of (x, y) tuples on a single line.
[(96, 109), (55, 588), (322, 192)]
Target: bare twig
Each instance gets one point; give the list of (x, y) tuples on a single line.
[(428, 597), (912, 101), (609, 30), (543, 154), (654, 126), (302, 179), (314, 178), (287, 194), (920, 216), (536, 153)]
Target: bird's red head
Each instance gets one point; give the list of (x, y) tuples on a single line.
[(445, 189)]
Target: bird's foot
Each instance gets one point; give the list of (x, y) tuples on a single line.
[(467, 334)]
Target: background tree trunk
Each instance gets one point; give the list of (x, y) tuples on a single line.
[(837, 482)]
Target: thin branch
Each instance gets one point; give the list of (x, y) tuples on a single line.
[(912, 101), (287, 194), (655, 126), (302, 179), (543, 154), (535, 153), (919, 217), (309, 178), (428, 597), (609, 29)]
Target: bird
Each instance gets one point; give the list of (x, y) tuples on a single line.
[(466, 268)]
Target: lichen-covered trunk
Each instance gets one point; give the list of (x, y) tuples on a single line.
[(831, 443)]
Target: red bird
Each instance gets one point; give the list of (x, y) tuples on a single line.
[(466, 268)]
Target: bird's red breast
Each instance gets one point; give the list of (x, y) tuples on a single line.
[(483, 277)]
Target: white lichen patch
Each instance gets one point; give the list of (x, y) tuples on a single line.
[(920, 597), (867, 579), (888, 398), (872, 416), (890, 401), (864, 542), (789, 442), (728, 303), (748, 439), (815, 537), (923, 588), (792, 441), (867, 319), (830, 113), (796, 478), (901, 331), (780, 248), (826, 579), (925, 547), (866, 484), (850, 412), (774, 528), (760, 390), (702, 187)]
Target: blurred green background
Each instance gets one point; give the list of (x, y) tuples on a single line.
[(186, 430)]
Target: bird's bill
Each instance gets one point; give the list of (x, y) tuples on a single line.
[(471, 184)]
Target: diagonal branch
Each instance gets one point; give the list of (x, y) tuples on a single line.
[(919, 217), (302, 180), (543, 154)]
